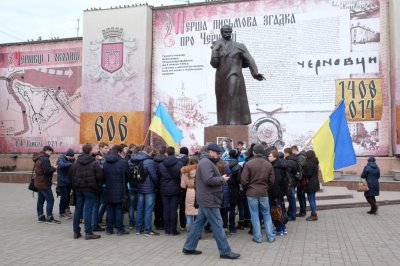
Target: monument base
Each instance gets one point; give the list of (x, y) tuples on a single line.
[(233, 132)]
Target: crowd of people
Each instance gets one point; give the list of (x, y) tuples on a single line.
[(216, 189)]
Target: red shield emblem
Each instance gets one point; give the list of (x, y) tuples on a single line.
[(112, 56)]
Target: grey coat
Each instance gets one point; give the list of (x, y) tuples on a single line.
[(209, 184)]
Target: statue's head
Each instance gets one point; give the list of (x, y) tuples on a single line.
[(226, 32)]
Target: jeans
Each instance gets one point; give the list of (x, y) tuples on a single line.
[(301, 197), (65, 193), (115, 216), (84, 201), (170, 207), (243, 208), (262, 204), (45, 195), (190, 219), (101, 208), (212, 216), (132, 206), (311, 200), (144, 214), (279, 225), (291, 196)]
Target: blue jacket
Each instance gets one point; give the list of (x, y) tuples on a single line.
[(64, 176), (170, 176), (371, 173), (116, 174), (151, 182)]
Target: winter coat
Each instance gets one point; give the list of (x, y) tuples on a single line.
[(280, 186), (150, 171), (184, 159), (257, 177), (311, 173), (43, 170), (234, 181), (371, 174), (116, 175), (170, 176), (64, 174), (187, 182), (87, 175), (209, 183), (292, 167)]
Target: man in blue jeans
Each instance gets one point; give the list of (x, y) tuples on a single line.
[(257, 177), (146, 192), (43, 180), (209, 183), (87, 176)]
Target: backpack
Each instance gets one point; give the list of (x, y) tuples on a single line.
[(299, 172), (137, 172)]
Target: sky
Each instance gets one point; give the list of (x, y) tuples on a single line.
[(23, 20)]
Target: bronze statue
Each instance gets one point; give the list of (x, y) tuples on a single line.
[(229, 57)]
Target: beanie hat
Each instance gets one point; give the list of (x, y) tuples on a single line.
[(184, 150), (70, 152), (233, 154), (371, 159)]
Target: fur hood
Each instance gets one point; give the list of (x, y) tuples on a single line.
[(187, 169)]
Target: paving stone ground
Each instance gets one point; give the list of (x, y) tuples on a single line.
[(340, 237)]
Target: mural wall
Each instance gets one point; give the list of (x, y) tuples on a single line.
[(116, 75), (312, 53), (40, 93)]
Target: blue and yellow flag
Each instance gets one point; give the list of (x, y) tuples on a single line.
[(164, 126), (332, 144)]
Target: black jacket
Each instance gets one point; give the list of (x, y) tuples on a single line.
[(170, 176), (116, 175), (280, 186), (87, 174)]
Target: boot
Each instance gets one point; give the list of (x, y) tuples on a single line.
[(372, 203), (240, 225), (313, 217)]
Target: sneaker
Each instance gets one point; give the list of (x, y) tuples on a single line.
[(152, 233), (300, 214), (285, 231), (98, 228), (258, 242), (271, 240), (109, 232), (92, 236), (41, 219), (131, 226), (53, 221), (182, 228), (175, 233), (139, 233), (279, 233), (77, 235), (65, 216), (125, 232)]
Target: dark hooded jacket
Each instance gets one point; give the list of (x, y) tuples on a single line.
[(371, 174), (150, 171), (43, 170), (64, 177), (170, 176), (234, 181), (87, 174), (310, 172), (280, 186), (116, 175), (292, 167)]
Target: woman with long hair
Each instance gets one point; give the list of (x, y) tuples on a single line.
[(311, 174)]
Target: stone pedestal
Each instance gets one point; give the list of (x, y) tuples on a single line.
[(234, 132)]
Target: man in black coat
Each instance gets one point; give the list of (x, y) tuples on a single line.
[(87, 176)]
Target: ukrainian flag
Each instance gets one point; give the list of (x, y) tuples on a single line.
[(332, 144), (164, 126)]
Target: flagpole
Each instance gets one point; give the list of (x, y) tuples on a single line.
[(145, 138), (307, 143)]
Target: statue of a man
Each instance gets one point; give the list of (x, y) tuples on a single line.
[(229, 57)]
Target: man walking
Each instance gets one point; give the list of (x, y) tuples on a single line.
[(209, 184), (257, 177)]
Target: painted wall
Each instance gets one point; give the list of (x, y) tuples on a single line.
[(40, 93), (116, 75), (310, 57)]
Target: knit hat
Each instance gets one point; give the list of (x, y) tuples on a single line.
[(233, 154), (371, 159), (258, 149), (70, 152), (184, 150)]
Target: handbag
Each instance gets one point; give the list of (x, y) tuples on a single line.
[(31, 185), (362, 186), (303, 181), (285, 217), (276, 212)]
